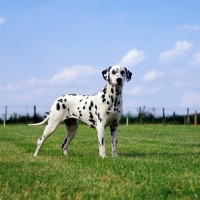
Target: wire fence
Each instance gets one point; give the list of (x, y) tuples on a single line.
[(141, 115)]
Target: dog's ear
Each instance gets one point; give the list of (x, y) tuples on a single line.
[(105, 74), (128, 75)]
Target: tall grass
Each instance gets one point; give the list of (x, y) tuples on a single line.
[(155, 162)]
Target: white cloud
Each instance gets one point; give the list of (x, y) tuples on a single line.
[(151, 75), (190, 99), (132, 58), (181, 84), (72, 73), (10, 87), (190, 27), (137, 90), (195, 62), (30, 82), (2, 20), (141, 90), (21, 97), (178, 71), (180, 48), (154, 89)]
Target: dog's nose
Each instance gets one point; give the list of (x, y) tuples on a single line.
[(119, 81)]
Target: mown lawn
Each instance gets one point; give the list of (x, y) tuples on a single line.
[(155, 162)]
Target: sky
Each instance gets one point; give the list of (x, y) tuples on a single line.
[(50, 48)]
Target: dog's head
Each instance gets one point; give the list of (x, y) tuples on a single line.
[(116, 75)]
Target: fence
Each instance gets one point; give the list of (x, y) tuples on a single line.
[(136, 115)]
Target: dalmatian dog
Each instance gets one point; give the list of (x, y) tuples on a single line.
[(98, 111)]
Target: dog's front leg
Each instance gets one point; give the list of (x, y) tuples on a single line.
[(114, 136), (101, 138)]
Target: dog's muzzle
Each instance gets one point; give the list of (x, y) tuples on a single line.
[(119, 81)]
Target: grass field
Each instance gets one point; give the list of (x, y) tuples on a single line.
[(155, 162)]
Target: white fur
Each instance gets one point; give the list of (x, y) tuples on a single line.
[(98, 111)]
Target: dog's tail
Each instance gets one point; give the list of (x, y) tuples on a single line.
[(43, 122)]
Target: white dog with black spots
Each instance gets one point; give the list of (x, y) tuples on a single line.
[(98, 111)]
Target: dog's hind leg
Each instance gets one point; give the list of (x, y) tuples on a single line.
[(49, 129), (71, 128)]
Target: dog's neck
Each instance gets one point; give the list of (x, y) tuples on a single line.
[(114, 94)]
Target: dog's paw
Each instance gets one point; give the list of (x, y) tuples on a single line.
[(65, 152), (103, 155), (114, 155)]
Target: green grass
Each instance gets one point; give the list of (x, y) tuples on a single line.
[(155, 162)]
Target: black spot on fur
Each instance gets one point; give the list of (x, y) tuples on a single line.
[(58, 106), (91, 116), (60, 100), (99, 117), (112, 130), (102, 141), (108, 102), (81, 100), (91, 120), (91, 105), (83, 107), (80, 114), (64, 143), (112, 90), (104, 90), (64, 106), (112, 99)]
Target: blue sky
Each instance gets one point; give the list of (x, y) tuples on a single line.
[(50, 48)]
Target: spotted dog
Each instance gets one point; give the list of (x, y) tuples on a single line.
[(98, 111)]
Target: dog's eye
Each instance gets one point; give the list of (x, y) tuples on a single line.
[(113, 72), (122, 73)]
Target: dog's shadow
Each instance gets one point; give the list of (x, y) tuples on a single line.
[(133, 154), (159, 154)]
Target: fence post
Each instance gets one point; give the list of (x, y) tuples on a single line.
[(153, 116), (195, 118), (164, 119), (174, 117), (140, 116), (26, 115), (5, 116), (188, 117), (34, 115), (127, 121)]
